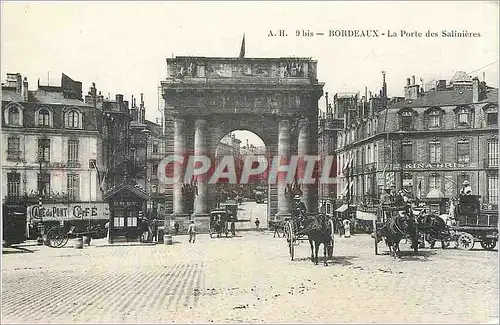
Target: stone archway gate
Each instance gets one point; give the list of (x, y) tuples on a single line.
[(208, 97)]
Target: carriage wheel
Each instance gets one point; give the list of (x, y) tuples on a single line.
[(465, 241), (290, 239), (54, 238), (488, 244), (331, 245)]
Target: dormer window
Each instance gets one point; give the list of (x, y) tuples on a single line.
[(406, 120), (491, 112), (434, 118), (13, 115), (463, 116), (44, 117), (73, 119)]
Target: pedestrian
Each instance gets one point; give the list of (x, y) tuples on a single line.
[(155, 230), (257, 223), (176, 227), (106, 226), (192, 232), (347, 228)]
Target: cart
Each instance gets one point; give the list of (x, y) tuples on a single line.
[(219, 223), (473, 226), (58, 237), (294, 236)]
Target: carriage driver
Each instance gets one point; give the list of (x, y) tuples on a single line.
[(403, 202), (299, 211), (466, 189)]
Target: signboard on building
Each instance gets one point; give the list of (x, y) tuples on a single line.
[(434, 166), (68, 211)]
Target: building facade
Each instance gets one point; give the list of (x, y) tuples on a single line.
[(328, 127), (429, 143), (50, 139)]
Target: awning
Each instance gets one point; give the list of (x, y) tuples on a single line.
[(365, 215), (342, 208)]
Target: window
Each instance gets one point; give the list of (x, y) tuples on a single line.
[(44, 150), (73, 120), (131, 219), (406, 120), (155, 147), (44, 184), (73, 187), (73, 151), (492, 118), (463, 117), (492, 183), (434, 119), (434, 152), (13, 152), (463, 152), (407, 153), (155, 170), (434, 182), (408, 181), (43, 117), (13, 184), (14, 116), (492, 153), (119, 219)]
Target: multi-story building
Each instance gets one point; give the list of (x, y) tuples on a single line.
[(50, 139), (429, 142), (328, 127)]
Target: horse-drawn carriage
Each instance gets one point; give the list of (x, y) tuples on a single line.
[(221, 222), (469, 226), (318, 229), (394, 225)]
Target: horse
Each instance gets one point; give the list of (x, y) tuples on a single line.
[(396, 229), (318, 232), (434, 228)]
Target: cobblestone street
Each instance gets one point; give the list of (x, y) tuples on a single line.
[(249, 278)]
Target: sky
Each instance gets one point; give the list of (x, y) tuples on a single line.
[(123, 46)]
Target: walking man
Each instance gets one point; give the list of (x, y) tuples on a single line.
[(257, 223), (192, 232)]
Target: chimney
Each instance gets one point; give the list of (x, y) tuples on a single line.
[(119, 100), (326, 99), (142, 100), (19, 83), (441, 85), (411, 90), (132, 106), (475, 90), (24, 89), (412, 80)]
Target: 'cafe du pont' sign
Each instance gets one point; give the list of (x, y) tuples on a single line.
[(434, 166), (72, 211)]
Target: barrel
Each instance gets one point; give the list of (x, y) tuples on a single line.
[(167, 239), (78, 243)]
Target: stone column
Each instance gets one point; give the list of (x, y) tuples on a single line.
[(179, 150), (302, 151), (200, 149), (312, 189), (284, 155)]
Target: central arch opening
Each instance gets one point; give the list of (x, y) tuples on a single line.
[(252, 196)]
